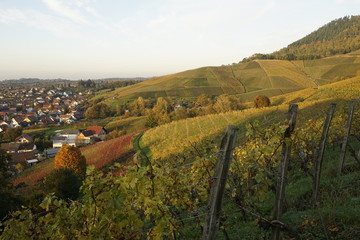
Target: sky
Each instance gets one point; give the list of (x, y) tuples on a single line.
[(92, 39)]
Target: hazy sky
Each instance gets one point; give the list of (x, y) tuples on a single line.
[(81, 39)]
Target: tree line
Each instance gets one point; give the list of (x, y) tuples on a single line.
[(165, 110), (340, 36)]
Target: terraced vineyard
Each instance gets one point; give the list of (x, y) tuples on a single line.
[(246, 80), (175, 137)]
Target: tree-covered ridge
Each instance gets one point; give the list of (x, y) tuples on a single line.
[(339, 36), (338, 29)]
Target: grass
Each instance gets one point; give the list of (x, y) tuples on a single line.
[(131, 124), (35, 130)]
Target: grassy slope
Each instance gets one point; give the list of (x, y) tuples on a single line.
[(175, 137), (100, 155), (270, 77), (131, 124)]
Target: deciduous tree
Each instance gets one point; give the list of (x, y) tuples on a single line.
[(71, 157)]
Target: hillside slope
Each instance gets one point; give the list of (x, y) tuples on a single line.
[(176, 137), (308, 62), (269, 77)]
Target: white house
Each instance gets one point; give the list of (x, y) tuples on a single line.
[(67, 136)]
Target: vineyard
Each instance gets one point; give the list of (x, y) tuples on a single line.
[(173, 138), (166, 194), (167, 197), (245, 79)]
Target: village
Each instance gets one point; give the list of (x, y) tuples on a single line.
[(41, 107)]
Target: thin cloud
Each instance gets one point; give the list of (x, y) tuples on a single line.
[(11, 15), (58, 27), (61, 8), (348, 1), (92, 11)]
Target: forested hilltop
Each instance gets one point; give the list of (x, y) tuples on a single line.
[(339, 36)]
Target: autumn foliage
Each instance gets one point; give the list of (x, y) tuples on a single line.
[(71, 157), (261, 101)]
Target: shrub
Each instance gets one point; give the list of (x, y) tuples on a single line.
[(63, 182), (261, 101)]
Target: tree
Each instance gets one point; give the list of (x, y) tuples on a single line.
[(63, 182), (226, 103), (261, 101), (137, 107), (178, 114), (4, 159), (71, 157), (8, 201), (12, 133), (163, 104), (203, 100), (150, 118), (100, 110)]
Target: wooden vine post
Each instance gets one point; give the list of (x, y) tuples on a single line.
[(283, 168), (321, 150), (218, 186), (346, 137)]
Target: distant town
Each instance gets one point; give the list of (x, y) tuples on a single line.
[(33, 108)]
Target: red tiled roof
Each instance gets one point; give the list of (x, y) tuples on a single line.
[(95, 129)]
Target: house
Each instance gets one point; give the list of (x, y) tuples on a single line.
[(31, 119), (14, 147), (98, 131), (65, 137), (18, 121), (59, 141), (51, 152), (4, 116), (85, 137), (24, 158), (3, 126), (45, 120), (24, 138), (177, 106), (67, 118)]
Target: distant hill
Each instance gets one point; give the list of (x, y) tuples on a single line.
[(32, 82), (339, 36), (327, 55), (269, 77)]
